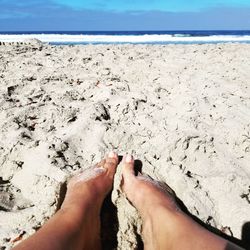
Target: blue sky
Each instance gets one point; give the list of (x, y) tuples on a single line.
[(149, 5), (28, 15)]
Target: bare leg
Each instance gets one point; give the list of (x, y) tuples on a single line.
[(165, 226), (77, 224)]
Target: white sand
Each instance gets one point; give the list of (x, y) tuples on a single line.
[(183, 110)]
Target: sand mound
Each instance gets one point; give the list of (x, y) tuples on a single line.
[(33, 41)]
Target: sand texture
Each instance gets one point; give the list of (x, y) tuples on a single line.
[(182, 110)]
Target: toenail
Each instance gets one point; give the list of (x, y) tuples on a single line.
[(112, 154), (100, 169), (129, 159)]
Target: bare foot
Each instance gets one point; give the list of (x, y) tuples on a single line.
[(165, 226), (149, 199), (143, 192), (91, 186), (85, 195)]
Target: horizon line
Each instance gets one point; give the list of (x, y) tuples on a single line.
[(161, 30)]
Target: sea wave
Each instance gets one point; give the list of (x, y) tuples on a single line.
[(166, 38)]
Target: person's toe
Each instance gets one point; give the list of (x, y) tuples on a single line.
[(128, 175), (128, 167), (111, 163)]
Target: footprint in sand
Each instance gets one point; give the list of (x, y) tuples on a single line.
[(11, 198)]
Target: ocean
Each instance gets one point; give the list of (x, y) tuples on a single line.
[(131, 37)]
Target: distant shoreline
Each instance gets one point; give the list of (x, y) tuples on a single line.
[(131, 37)]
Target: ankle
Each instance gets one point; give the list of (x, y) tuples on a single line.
[(160, 210), (160, 228)]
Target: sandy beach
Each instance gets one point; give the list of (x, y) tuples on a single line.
[(182, 110)]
